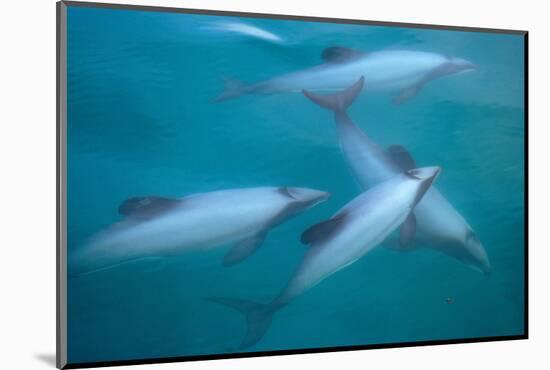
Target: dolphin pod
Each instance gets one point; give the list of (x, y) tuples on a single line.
[(156, 226), (437, 222), (334, 244), (393, 70), (396, 194)]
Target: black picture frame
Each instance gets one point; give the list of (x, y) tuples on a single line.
[(61, 252)]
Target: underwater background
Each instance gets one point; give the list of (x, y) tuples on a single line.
[(141, 121)]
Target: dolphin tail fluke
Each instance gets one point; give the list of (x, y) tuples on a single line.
[(232, 89), (337, 102), (258, 318)]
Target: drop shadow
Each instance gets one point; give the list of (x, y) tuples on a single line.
[(46, 358)]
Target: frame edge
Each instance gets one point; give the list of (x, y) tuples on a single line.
[(61, 188), (61, 244), (288, 17)]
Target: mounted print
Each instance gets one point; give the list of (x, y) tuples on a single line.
[(235, 185)]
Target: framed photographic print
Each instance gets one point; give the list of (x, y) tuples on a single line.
[(235, 184)]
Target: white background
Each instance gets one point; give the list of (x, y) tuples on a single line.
[(27, 197)]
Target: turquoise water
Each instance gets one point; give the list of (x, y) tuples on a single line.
[(141, 122)]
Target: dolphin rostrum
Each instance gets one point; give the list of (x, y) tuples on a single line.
[(437, 223), (393, 70), (156, 226), (352, 232)]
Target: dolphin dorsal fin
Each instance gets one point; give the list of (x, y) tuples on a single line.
[(340, 54), (146, 207), (323, 230), (401, 157)]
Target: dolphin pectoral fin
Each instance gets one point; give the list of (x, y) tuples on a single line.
[(401, 157), (408, 230), (411, 91), (147, 207), (339, 54), (244, 249), (322, 230), (408, 93)]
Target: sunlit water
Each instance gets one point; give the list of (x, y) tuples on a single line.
[(141, 122)]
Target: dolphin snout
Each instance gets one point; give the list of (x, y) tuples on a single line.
[(424, 177), (479, 255), (481, 263), (318, 195), (322, 195), (425, 173), (462, 65), (469, 67), (312, 196)]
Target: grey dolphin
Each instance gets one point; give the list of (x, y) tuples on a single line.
[(404, 71), (244, 29), (435, 223), (156, 226), (352, 232)]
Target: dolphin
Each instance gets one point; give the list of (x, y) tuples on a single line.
[(435, 222), (156, 226), (336, 243), (245, 29), (393, 70)]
